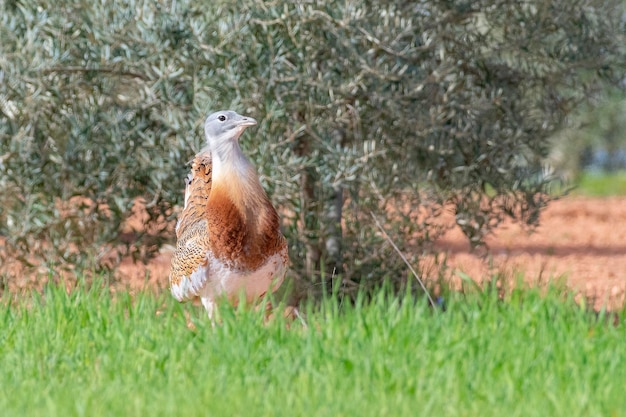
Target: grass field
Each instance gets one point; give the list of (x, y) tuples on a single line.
[(601, 184), (88, 353)]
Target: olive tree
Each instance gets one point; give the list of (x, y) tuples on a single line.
[(395, 110)]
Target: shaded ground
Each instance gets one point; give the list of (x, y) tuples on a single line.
[(581, 239)]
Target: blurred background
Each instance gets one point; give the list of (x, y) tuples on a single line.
[(401, 111)]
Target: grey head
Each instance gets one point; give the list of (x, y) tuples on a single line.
[(222, 130), (225, 126)]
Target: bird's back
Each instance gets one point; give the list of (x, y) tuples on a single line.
[(192, 234)]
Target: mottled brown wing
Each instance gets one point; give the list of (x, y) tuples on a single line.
[(188, 269)]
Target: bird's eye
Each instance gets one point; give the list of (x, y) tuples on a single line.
[(221, 117)]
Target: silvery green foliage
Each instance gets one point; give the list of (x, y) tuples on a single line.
[(395, 108)]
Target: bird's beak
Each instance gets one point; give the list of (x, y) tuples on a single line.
[(246, 121)]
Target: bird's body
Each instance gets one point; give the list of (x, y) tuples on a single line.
[(228, 235)]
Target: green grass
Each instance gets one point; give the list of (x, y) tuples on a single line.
[(602, 185), (88, 353)]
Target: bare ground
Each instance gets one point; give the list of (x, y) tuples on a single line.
[(581, 240)]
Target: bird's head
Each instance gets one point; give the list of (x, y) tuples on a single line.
[(222, 128)]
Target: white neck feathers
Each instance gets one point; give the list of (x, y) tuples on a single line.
[(233, 172)]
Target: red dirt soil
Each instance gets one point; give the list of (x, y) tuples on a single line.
[(580, 240)]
